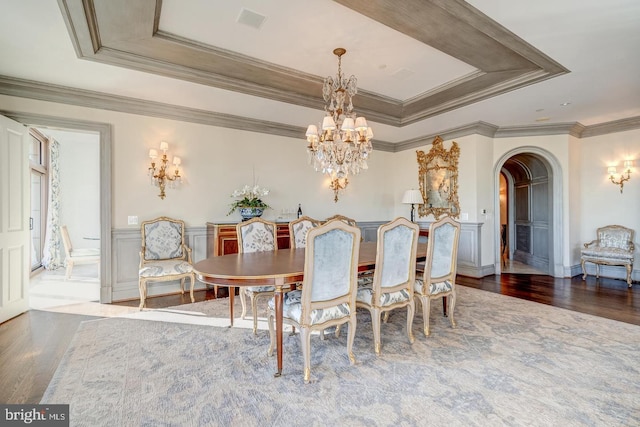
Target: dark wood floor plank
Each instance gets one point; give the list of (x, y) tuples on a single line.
[(32, 346)]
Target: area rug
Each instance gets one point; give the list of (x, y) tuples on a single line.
[(508, 362)]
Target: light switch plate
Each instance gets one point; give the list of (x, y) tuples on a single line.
[(132, 220)]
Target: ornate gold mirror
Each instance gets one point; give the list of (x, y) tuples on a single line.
[(438, 177)]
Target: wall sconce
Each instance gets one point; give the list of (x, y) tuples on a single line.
[(160, 176), (628, 164), (413, 197), (336, 185)]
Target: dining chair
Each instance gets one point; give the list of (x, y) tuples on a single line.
[(255, 235), (344, 219), (393, 277), (164, 255), (298, 229), (439, 277), (78, 256), (328, 294)]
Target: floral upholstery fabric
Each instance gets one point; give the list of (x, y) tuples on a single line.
[(615, 238), (434, 288), (257, 237), (165, 268), (292, 309), (163, 240), (365, 295), (300, 233)]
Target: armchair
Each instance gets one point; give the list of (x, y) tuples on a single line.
[(164, 255), (613, 246)]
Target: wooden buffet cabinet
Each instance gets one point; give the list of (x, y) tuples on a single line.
[(222, 238)]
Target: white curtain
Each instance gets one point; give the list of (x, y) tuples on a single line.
[(52, 252)]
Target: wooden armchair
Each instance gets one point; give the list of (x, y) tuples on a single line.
[(614, 246), (164, 255)]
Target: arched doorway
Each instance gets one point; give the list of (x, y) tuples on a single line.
[(532, 188)]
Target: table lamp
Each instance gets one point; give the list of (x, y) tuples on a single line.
[(413, 197)]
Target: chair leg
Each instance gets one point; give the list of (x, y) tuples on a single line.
[(386, 317), (244, 303), (142, 287), (305, 343), (272, 333), (411, 308), (254, 312), (584, 270), (375, 322), (629, 268), (182, 286), (351, 336), (426, 306), (452, 304), (193, 282), (69, 268)]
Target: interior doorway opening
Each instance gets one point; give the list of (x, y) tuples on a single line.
[(66, 192), (527, 197)]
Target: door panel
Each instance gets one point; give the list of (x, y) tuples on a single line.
[(14, 219)]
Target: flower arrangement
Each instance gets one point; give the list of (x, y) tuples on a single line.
[(250, 198)]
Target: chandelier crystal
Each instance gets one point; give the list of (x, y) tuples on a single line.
[(343, 144)]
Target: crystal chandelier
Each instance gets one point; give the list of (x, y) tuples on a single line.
[(343, 145)]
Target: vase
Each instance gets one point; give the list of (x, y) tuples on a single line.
[(250, 212)]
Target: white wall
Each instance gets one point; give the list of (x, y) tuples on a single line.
[(601, 202)]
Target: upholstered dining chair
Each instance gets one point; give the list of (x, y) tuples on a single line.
[(394, 275), (164, 255), (328, 294), (352, 222), (439, 277), (298, 229), (255, 235), (78, 256)]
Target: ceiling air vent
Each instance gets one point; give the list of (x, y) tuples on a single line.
[(252, 19)]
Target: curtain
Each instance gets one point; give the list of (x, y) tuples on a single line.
[(52, 252)]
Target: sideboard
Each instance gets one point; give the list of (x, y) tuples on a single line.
[(222, 238)]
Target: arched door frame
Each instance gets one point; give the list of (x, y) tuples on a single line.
[(557, 205)]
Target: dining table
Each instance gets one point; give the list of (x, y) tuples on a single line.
[(280, 269)]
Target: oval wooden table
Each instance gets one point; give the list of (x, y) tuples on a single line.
[(280, 269)]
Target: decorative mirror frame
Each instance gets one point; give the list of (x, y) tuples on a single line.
[(438, 178)]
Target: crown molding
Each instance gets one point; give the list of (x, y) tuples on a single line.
[(615, 126), (574, 129), (125, 33), (54, 93)]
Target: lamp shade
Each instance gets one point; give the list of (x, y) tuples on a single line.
[(412, 197)]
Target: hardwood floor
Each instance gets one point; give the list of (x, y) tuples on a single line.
[(32, 344)]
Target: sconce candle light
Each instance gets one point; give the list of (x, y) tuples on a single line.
[(628, 164), (160, 176)]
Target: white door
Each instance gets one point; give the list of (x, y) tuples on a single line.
[(14, 219)]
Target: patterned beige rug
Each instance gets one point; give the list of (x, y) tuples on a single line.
[(509, 362)]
